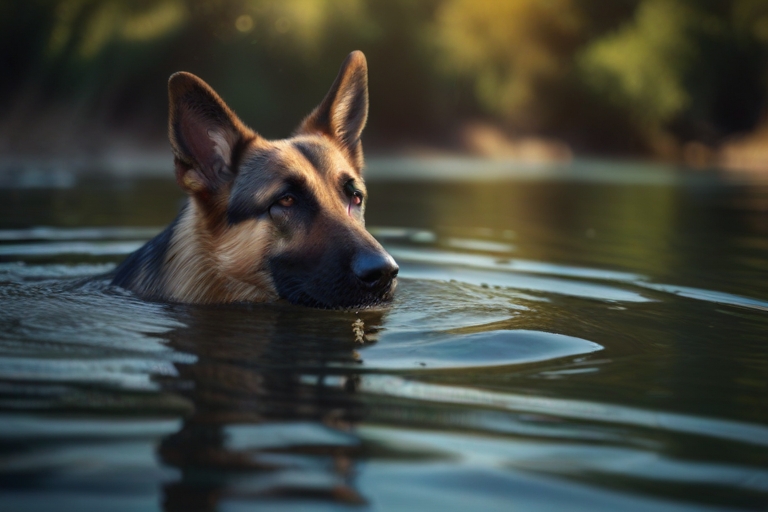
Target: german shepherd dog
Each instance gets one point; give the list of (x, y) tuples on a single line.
[(266, 220)]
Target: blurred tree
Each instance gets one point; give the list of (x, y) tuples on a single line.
[(695, 69), (603, 76), (641, 66), (509, 49)]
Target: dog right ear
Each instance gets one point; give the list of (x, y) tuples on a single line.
[(344, 110), (204, 134)]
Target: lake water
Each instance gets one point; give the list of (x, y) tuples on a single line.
[(592, 337)]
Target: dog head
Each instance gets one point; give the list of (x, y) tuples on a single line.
[(286, 214)]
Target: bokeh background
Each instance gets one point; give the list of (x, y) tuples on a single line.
[(677, 80)]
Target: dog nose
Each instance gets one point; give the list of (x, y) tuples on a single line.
[(375, 267)]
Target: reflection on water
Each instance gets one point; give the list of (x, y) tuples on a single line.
[(264, 422), (553, 345)]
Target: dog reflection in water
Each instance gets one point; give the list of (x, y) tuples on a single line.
[(274, 405)]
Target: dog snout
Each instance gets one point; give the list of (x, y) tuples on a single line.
[(375, 268)]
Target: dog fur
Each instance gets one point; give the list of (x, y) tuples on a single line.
[(266, 220)]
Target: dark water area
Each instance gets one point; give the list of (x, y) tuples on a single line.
[(594, 340)]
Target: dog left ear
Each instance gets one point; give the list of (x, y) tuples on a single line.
[(204, 135), (344, 110)]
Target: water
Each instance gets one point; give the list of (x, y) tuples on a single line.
[(576, 340)]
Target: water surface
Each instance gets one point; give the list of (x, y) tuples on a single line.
[(584, 340)]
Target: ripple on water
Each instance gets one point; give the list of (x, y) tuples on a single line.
[(492, 348), (454, 325), (530, 276), (95, 349), (58, 328), (579, 410)]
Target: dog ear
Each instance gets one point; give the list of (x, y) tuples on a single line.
[(204, 135), (344, 110)]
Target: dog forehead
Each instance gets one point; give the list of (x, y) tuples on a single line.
[(311, 157), (324, 156), (265, 167)]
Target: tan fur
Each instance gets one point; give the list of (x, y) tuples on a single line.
[(222, 266), (204, 268), (323, 185), (331, 117), (237, 230)]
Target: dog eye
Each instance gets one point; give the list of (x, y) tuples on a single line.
[(355, 196), (286, 201)]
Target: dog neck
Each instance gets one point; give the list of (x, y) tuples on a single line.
[(184, 264)]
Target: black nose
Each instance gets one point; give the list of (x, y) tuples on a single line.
[(375, 267)]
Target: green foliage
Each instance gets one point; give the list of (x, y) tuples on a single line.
[(692, 68), (641, 67), (507, 47)]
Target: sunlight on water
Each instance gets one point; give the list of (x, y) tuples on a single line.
[(745, 433), (491, 348), (532, 364)]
